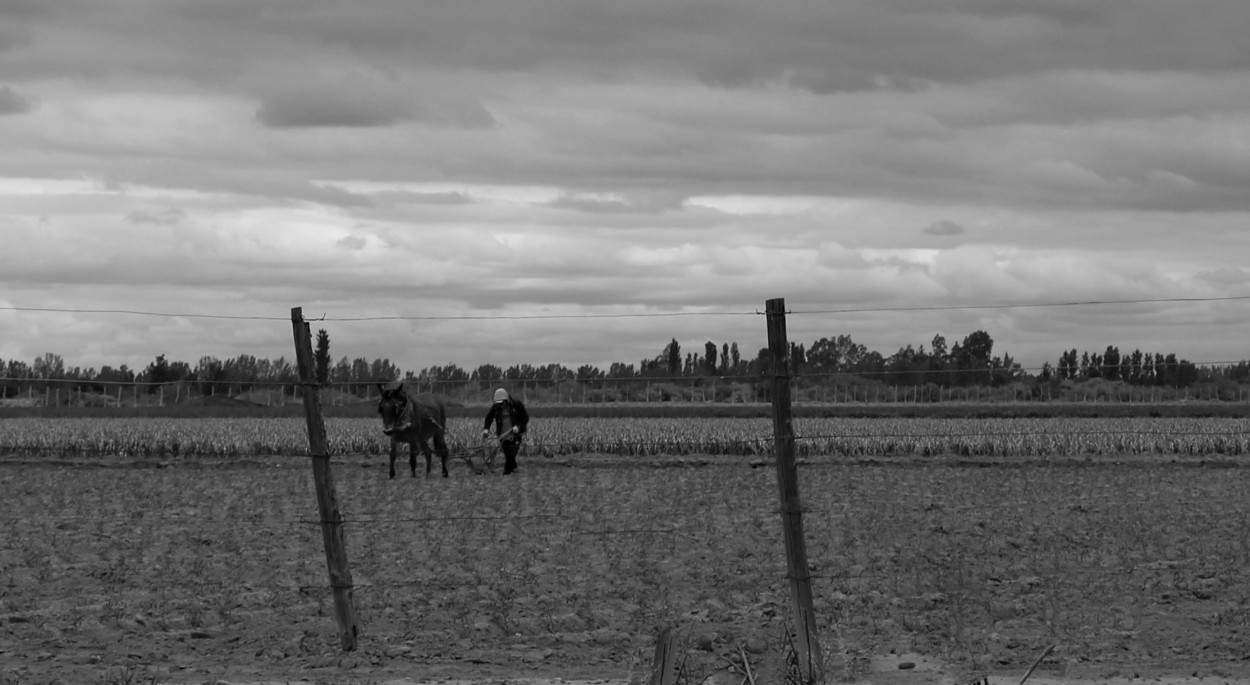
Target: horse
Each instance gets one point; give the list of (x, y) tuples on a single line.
[(414, 419)]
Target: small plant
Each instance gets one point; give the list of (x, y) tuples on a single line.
[(126, 675), (195, 615)]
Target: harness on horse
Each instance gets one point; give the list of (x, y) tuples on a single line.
[(409, 416)]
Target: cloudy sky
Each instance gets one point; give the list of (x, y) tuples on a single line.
[(463, 182)]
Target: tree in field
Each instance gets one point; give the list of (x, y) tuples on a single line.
[(905, 366), (342, 371), (1068, 365), (1111, 364), (735, 357), (1006, 370), (485, 372), (383, 370), (1165, 368), (823, 357), (210, 373), (939, 361), (798, 359), (1095, 365), (672, 357), (621, 370), (973, 358), (321, 356), (1047, 372), (48, 366), (709, 358), (854, 357), (1135, 367), (157, 372)]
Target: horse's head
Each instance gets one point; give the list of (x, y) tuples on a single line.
[(394, 406)]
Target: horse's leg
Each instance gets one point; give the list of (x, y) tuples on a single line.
[(412, 456), (394, 451), (440, 446), (425, 449)]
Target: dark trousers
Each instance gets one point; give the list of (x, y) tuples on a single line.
[(510, 449)]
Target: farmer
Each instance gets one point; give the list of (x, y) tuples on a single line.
[(511, 420)]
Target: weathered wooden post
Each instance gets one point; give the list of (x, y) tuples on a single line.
[(664, 664), (327, 500), (806, 643)]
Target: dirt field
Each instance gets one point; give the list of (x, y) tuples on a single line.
[(117, 571)]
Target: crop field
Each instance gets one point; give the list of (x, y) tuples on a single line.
[(633, 437), (189, 550)]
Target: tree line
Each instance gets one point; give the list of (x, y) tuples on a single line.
[(968, 362)]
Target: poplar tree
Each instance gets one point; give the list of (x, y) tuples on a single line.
[(321, 356)]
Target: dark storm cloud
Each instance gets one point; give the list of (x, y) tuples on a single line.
[(322, 107), (822, 46)]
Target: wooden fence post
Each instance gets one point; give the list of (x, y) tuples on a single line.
[(327, 500), (664, 665), (806, 643)]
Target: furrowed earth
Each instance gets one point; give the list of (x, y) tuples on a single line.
[(939, 569)]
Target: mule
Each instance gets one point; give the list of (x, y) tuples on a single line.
[(414, 419)]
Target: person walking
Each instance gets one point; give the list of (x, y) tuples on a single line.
[(511, 421)]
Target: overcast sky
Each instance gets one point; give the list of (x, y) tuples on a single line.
[(454, 163)]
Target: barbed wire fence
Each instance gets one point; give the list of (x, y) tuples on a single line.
[(1030, 571), (857, 388), (850, 386)]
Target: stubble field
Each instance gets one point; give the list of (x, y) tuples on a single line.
[(972, 543)]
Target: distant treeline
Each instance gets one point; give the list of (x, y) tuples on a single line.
[(830, 369)]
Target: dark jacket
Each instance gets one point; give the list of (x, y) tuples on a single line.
[(516, 415)]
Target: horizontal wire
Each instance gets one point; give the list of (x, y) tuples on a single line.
[(849, 310), (1023, 305), (515, 317), (453, 317), (59, 310)]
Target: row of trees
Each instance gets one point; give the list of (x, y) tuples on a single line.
[(969, 362), (210, 375), (1136, 368)]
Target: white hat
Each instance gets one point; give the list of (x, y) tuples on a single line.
[(501, 395)]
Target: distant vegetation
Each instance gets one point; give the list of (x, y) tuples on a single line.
[(831, 371)]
